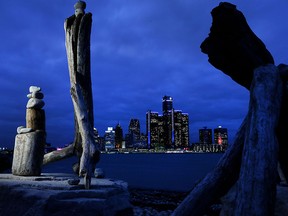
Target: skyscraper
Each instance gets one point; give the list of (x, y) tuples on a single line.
[(181, 129), (134, 131), (118, 136), (185, 130), (167, 104), (170, 130), (221, 136), (205, 136), (109, 138), (152, 128)]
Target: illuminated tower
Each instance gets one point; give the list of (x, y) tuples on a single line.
[(181, 129), (221, 136), (152, 129), (169, 130), (205, 136), (109, 138), (177, 128), (167, 104), (134, 131), (185, 130), (168, 122)]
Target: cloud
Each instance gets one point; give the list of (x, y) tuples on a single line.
[(140, 51)]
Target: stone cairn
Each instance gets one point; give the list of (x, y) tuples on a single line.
[(30, 140)]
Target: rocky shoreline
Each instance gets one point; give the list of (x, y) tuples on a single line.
[(158, 202)]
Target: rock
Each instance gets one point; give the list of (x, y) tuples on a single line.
[(34, 89), (28, 153), (19, 129), (5, 160), (35, 119), (51, 195), (232, 46), (23, 130), (99, 173), (75, 168), (38, 95), (73, 181), (35, 103)]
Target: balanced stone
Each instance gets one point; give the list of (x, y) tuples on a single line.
[(19, 129), (80, 8), (99, 173), (35, 119), (35, 103), (38, 95), (28, 153), (34, 89), (22, 130)]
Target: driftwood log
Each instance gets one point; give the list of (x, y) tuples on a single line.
[(233, 48), (218, 182), (258, 176), (59, 154), (78, 30)]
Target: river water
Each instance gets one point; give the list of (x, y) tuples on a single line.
[(174, 172)]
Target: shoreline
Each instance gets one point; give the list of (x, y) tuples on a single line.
[(161, 202)]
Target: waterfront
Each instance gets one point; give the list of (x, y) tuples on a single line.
[(174, 172)]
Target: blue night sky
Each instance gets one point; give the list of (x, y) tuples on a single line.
[(140, 51)]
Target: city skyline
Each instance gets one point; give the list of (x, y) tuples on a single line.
[(140, 51), (169, 129)]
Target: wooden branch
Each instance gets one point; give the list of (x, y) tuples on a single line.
[(58, 155), (216, 183), (258, 177), (90, 155)]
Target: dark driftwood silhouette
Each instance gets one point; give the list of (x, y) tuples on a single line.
[(233, 47), (252, 159)]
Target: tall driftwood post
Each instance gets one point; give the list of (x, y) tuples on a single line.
[(78, 30), (258, 176), (233, 48)]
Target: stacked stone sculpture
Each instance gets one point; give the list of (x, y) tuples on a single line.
[(30, 140)]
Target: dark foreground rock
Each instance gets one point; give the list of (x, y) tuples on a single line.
[(50, 194), (161, 203), (5, 160)]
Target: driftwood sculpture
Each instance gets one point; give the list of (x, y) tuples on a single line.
[(78, 30), (252, 159)]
